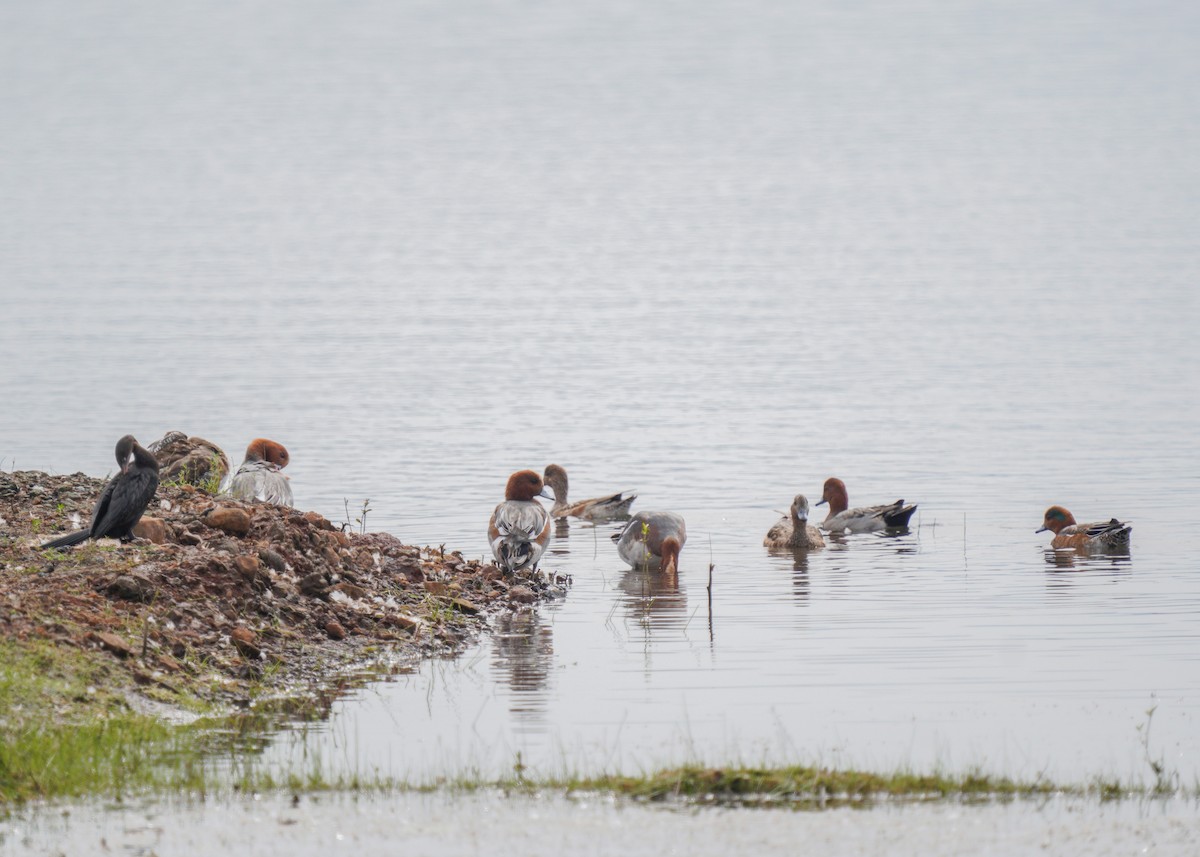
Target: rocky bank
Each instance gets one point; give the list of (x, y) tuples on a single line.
[(225, 602)]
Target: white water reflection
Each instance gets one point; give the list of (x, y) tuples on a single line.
[(492, 823)]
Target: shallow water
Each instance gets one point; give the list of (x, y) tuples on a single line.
[(717, 254), (492, 823)]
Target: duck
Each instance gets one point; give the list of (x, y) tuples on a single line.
[(123, 500), (864, 519), (595, 509), (519, 528), (652, 540), (1068, 534), (189, 460), (258, 479), (793, 530)]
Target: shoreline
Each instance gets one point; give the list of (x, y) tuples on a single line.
[(225, 607)]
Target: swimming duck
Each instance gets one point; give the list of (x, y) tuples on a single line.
[(864, 519), (596, 509), (793, 530), (124, 498), (258, 479), (652, 540), (519, 528), (190, 460), (1068, 534)]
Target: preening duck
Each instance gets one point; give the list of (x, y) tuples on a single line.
[(258, 479)]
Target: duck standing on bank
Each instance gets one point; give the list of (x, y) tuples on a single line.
[(596, 509), (519, 528), (258, 479), (190, 460), (864, 519), (1068, 534), (793, 530), (652, 540), (123, 499)]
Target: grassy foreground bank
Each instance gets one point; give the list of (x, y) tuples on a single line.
[(68, 730)]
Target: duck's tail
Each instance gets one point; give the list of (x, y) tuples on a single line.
[(68, 540), (899, 514), (515, 554), (1112, 533)]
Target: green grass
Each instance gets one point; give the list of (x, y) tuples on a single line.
[(67, 730)]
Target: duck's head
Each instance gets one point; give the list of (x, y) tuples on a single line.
[(670, 554), (800, 508), (835, 495), (556, 480), (525, 485), (1055, 520), (261, 449)]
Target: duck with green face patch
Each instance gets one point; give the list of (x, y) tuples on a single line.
[(1102, 535)]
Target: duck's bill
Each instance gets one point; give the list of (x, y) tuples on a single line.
[(820, 502), (1041, 529)]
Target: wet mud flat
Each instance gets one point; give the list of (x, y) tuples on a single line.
[(223, 604)]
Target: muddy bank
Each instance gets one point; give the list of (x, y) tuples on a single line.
[(223, 602)]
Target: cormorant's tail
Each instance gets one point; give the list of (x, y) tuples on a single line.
[(68, 540), (899, 517)]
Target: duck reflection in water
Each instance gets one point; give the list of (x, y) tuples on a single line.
[(799, 559), (522, 658), (652, 599), (1116, 562)]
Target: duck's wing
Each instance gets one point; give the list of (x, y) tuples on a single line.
[(1101, 529), (259, 482)]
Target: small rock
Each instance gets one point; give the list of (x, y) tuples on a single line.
[(523, 594), (330, 556), (314, 585), (151, 529), (187, 537), (318, 521), (436, 587), (352, 591), (230, 519), (335, 630), (247, 566), (131, 587), (113, 643), (272, 559), (462, 605), (245, 641)]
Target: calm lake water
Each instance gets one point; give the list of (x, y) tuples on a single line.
[(716, 252)]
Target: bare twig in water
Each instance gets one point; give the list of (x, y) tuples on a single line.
[(710, 575)]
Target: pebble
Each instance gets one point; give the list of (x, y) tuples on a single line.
[(230, 519)]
